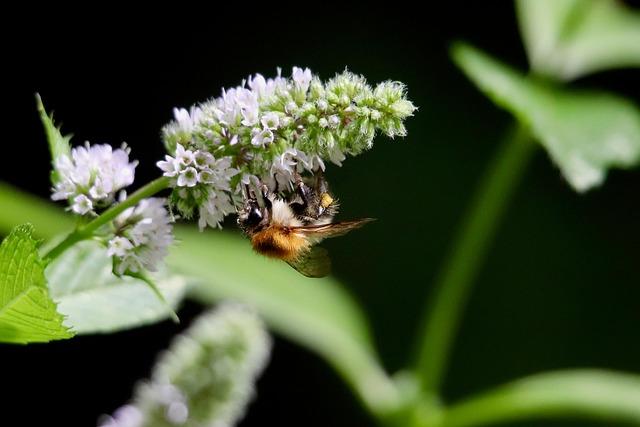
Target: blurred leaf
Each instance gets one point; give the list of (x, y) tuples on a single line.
[(595, 394), (316, 313), (571, 38), (96, 301), (27, 313), (19, 206), (58, 144), (585, 133)]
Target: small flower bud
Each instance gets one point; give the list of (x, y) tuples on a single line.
[(291, 107), (322, 105)]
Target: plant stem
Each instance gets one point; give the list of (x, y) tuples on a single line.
[(453, 285), (581, 394), (87, 231)]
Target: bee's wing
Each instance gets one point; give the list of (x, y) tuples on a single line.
[(335, 229), (316, 262), (313, 263)]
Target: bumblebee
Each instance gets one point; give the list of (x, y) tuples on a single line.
[(290, 229)]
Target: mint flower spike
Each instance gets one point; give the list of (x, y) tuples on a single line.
[(207, 376), (266, 130), (90, 176), (141, 238)]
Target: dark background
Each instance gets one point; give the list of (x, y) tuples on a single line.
[(560, 287)]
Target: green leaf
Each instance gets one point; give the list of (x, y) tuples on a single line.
[(584, 132), (316, 313), (27, 313), (571, 38), (58, 144), (583, 394), (96, 301)]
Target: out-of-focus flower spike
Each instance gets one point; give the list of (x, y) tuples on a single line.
[(206, 377)]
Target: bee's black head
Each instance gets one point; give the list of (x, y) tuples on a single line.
[(252, 216)]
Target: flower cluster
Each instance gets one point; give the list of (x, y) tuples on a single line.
[(203, 181), (268, 129), (91, 175), (141, 237), (207, 376)]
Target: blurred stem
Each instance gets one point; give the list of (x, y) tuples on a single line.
[(581, 394), (86, 231), (440, 322)]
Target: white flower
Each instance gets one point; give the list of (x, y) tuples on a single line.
[(203, 159), (118, 246), (261, 137), (170, 166), (322, 105), (184, 157), (334, 121), (291, 107), (284, 167), (248, 102), (314, 163), (187, 120), (188, 177), (336, 155), (302, 78), (82, 204), (266, 88), (125, 416), (91, 176), (214, 209), (270, 120), (143, 235)]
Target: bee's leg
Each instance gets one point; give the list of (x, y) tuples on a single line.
[(301, 204), (321, 184), (266, 195), (301, 189), (246, 192)]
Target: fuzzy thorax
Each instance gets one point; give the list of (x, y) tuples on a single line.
[(280, 242), (279, 239)]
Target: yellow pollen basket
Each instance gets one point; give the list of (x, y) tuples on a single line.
[(325, 200)]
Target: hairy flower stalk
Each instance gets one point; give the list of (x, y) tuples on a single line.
[(207, 376), (266, 130)]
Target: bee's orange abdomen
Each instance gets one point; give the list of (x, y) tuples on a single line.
[(279, 242)]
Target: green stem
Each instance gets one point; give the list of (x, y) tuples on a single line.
[(453, 286), (576, 394), (87, 231)]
